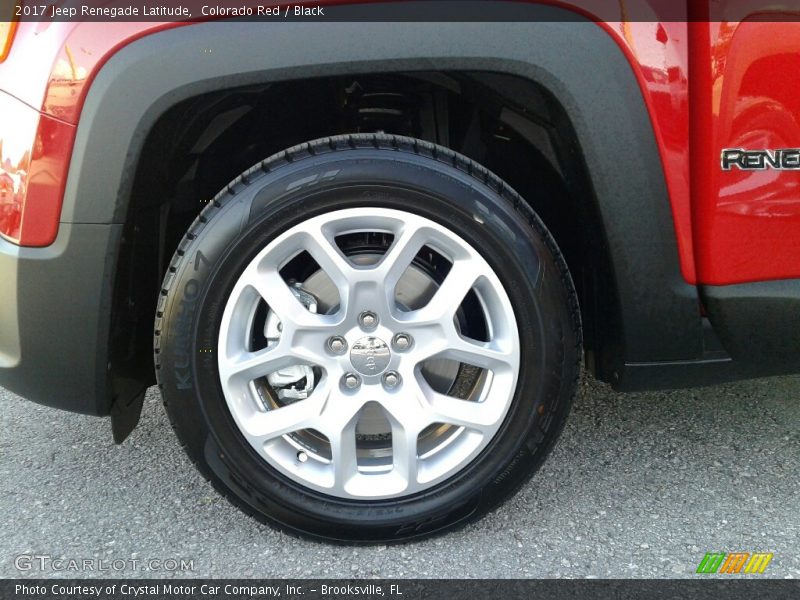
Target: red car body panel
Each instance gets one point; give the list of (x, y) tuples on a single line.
[(745, 94), (34, 166), (49, 70), (730, 227)]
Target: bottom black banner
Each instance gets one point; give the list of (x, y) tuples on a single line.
[(411, 589)]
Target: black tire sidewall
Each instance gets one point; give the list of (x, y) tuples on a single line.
[(274, 202)]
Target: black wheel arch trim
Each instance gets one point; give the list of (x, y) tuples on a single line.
[(658, 310)]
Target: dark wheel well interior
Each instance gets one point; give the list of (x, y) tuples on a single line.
[(510, 125)]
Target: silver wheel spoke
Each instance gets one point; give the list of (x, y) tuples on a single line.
[(248, 366), (459, 281), (276, 293), (485, 355), (329, 257), (269, 425), (478, 416), (408, 242), (404, 453), (344, 456)]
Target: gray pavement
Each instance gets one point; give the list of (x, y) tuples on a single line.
[(640, 485)]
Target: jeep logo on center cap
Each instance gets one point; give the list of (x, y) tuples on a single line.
[(370, 356)]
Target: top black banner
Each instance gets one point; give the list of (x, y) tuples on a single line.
[(399, 11)]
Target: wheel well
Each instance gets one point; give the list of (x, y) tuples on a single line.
[(511, 125)]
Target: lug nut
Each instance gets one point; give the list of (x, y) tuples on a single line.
[(337, 344), (302, 456), (368, 320), (402, 341), (391, 379), (351, 381)]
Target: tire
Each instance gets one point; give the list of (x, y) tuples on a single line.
[(244, 296)]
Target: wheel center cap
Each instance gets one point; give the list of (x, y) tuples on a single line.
[(370, 355)]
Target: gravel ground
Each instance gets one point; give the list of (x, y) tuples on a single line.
[(640, 485)]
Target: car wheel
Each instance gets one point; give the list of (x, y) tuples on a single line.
[(367, 338)]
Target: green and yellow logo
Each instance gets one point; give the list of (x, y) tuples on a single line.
[(734, 562)]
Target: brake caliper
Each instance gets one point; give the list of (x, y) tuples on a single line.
[(295, 382)]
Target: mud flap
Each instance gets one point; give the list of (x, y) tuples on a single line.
[(125, 412)]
